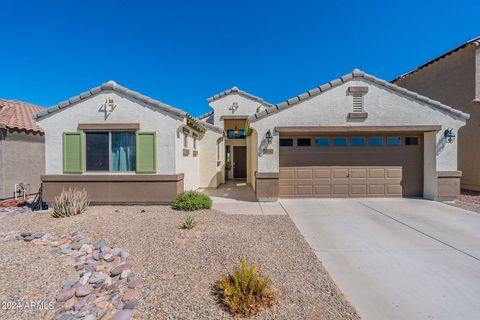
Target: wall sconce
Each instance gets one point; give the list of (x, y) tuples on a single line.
[(236, 133), (449, 135), (268, 136)]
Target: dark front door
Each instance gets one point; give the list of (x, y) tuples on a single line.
[(239, 162)]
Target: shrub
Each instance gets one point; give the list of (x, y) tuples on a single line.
[(69, 203), (192, 200), (189, 222), (245, 292)]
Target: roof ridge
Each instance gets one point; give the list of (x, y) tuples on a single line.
[(235, 89), (356, 73), (111, 85)]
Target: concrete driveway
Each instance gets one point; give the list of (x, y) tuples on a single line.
[(396, 258)]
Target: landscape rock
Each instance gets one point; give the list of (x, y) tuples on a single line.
[(120, 268), (71, 281), (99, 244), (122, 315), (65, 294), (82, 291), (129, 295), (132, 304)]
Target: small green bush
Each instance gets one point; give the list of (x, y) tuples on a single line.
[(70, 202), (189, 222), (245, 292), (192, 200)]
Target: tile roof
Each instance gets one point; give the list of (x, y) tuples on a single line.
[(474, 41), (240, 92), (113, 86), (18, 115), (355, 74)]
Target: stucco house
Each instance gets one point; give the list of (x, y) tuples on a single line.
[(356, 136), (21, 148), (454, 79)]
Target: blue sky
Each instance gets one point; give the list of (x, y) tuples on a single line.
[(182, 52)]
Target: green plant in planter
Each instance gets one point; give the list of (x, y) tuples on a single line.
[(69, 203), (189, 222), (191, 200), (245, 292)]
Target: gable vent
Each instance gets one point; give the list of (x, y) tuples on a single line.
[(357, 102)]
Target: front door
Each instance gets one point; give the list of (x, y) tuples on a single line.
[(239, 162)]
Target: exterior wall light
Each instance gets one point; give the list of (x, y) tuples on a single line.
[(268, 136), (235, 132), (449, 135)]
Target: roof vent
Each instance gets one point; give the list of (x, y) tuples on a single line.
[(358, 111)]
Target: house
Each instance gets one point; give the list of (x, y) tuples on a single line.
[(124, 147), (21, 148), (356, 136), (454, 79)]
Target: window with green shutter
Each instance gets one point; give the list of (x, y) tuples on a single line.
[(146, 152), (72, 152)]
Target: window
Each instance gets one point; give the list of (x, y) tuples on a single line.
[(394, 141), (375, 141), (185, 140), (322, 142), (340, 141), (358, 141), (110, 151), (411, 141), (304, 142), (286, 142), (231, 134)]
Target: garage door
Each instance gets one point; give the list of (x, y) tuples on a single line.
[(351, 166)]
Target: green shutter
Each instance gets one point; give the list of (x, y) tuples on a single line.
[(72, 152), (146, 152)]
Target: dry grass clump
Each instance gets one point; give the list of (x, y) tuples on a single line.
[(245, 292), (70, 202)]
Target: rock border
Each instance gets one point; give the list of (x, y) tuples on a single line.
[(101, 285)]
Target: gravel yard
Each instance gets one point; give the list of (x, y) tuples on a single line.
[(179, 267), (469, 200)]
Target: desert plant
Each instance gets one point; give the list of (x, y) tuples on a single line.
[(70, 202), (191, 200), (189, 222), (245, 292)]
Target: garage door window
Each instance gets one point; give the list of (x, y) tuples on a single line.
[(411, 141), (322, 142), (394, 141), (358, 141), (286, 142), (375, 141), (304, 142), (340, 141)]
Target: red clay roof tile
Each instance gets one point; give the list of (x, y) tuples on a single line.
[(18, 115)]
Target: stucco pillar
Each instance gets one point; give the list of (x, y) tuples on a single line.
[(430, 184)]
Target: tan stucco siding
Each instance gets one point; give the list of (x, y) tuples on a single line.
[(455, 80), (23, 160)]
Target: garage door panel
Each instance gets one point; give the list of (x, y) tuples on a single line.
[(358, 173), (376, 173), (322, 173), (394, 190), (340, 173), (358, 189), (304, 173), (287, 174), (323, 190), (376, 189), (394, 173), (340, 190), (304, 190), (286, 191)]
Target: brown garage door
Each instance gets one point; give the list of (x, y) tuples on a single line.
[(351, 166)]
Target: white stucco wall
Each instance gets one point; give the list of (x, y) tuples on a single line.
[(211, 174), (127, 111), (385, 108), (246, 107)]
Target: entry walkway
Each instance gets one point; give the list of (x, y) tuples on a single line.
[(238, 197)]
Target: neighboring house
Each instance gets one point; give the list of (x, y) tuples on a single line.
[(454, 79), (124, 147), (21, 147), (356, 136)]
